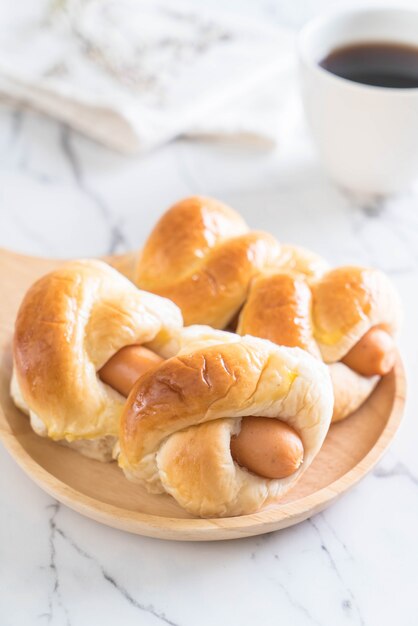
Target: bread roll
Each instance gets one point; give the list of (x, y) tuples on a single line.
[(178, 422), (328, 316), (69, 324), (202, 256)]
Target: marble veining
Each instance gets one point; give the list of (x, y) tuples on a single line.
[(354, 564), (56, 604)]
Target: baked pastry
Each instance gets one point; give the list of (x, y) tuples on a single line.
[(348, 317), (202, 255), (70, 323), (270, 449), (178, 434), (187, 427)]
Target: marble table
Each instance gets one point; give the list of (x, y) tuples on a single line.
[(356, 563)]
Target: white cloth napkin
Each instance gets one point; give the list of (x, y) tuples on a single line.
[(133, 74)]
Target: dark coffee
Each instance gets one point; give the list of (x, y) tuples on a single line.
[(381, 64)]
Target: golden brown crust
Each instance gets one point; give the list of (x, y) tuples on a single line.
[(183, 236), (202, 256), (342, 299), (326, 316), (180, 389), (178, 421), (69, 324), (278, 308), (347, 302)]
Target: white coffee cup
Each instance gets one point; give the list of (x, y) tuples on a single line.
[(367, 136)]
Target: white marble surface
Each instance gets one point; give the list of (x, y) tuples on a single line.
[(356, 563)]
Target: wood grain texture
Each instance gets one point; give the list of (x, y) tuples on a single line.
[(101, 492)]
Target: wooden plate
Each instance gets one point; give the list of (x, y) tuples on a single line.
[(101, 492)]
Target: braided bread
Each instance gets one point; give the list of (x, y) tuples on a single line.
[(176, 429), (337, 315), (69, 324), (328, 317), (202, 256)]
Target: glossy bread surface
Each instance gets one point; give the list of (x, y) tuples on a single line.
[(202, 256), (100, 491)]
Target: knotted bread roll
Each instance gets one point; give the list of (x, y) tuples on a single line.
[(177, 425), (202, 255), (70, 323), (348, 317), (356, 310)]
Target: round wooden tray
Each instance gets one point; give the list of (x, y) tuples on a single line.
[(101, 492)]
